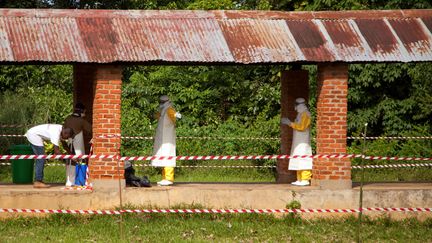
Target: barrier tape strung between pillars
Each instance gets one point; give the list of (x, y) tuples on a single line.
[(11, 135), (210, 211), (267, 166), (238, 138), (274, 166), (389, 138), (212, 157), (259, 138), (13, 125)]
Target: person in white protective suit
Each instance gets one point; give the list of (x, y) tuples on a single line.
[(165, 140), (78, 124), (301, 143)]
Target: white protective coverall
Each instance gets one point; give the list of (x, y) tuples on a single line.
[(77, 144), (79, 125), (165, 140), (301, 144)]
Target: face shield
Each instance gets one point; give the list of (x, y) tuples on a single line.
[(163, 99), (299, 102)]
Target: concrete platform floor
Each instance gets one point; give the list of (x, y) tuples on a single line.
[(56, 187), (221, 195)]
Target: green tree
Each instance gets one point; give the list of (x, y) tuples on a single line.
[(392, 98), (14, 77), (209, 94)]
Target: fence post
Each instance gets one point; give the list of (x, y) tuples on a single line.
[(361, 185)]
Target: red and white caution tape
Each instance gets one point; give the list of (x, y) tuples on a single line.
[(272, 138), (258, 138), (12, 135), (138, 137), (61, 156), (190, 137), (12, 125), (213, 211), (261, 138), (268, 157), (55, 211), (394, 158), (231, 138), (234, 138), (392, 166), (211, 157), (267, 166), (207, 138), (213, 166), (390, 138), (87, 183), (180, 137), (46, 164), (78, 188), (216, 157), (273, 166)]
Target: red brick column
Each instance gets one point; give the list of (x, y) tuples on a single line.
[(294, 84), (331, 127), (106, 120)]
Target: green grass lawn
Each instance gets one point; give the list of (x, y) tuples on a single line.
[(420, 174), (201, 228)]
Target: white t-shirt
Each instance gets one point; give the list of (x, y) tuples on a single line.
[(46, 132)]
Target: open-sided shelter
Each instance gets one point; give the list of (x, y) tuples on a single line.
[(100, 42)]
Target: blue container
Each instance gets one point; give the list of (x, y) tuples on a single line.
[(80, 176)]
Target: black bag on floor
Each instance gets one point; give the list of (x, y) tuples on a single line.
[(133, 180)]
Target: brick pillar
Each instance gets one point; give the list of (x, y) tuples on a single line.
[(84, 75), (332, 127), (294, 84), (106, 120)]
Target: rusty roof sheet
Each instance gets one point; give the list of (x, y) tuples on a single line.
[(243, 37)]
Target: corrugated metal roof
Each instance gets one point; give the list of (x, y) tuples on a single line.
[(106, 36)]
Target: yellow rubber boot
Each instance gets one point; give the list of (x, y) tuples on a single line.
[(168, 174), (305, 175), (299, 175), (303, 178)]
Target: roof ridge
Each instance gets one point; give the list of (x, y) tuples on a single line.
[(217, 14)]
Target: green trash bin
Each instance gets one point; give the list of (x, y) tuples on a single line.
[(22, 169)]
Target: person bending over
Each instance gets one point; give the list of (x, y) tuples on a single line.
[(36, 136), (79, 125)]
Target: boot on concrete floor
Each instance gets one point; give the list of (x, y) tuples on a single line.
[(303, 183), (40, 184), (165, 183)]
